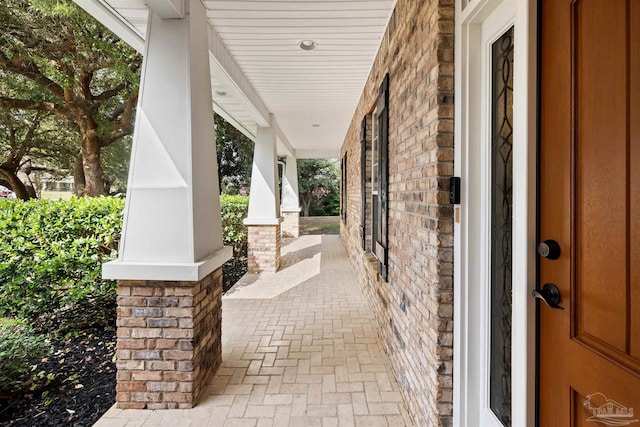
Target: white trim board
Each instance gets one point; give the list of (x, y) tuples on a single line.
[(471, 232)]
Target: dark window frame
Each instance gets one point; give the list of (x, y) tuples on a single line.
[(343, 167), (380, 198), (363, 183)]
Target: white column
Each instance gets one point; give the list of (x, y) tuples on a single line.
[(172, 225), (290, 197), (264, 198)]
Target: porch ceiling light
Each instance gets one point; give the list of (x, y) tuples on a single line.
[(307, 45), (221, 93)]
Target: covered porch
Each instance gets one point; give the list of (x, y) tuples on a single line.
[(286, 74), (299, 348)]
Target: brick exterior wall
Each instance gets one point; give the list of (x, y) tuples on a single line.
[(414, 309), (264, 242), (169, 341), (290, 223)]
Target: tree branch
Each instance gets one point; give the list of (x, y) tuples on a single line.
[(116, 136), (109, 93), (27, 104), (30, 70), (132, 100), (85, 84), (117, 112), (48, 169), (125, 111)]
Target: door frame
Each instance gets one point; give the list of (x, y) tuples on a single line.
[(470, 387)]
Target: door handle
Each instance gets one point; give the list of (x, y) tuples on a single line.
[(550, 294)]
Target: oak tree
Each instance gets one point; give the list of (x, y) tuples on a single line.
[(318, 185), (65, 63)]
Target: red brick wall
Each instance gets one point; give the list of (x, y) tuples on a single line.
[(414, 310)]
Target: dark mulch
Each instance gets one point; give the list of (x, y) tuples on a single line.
[(82, 364), (233, 270)]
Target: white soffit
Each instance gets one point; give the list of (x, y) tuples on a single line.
[(312, 94)]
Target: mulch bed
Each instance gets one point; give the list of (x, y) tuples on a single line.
[(81, 369), (82, 365)]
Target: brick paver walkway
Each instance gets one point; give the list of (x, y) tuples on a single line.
[(303, 352)]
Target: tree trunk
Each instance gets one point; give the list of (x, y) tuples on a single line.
[(306, 204), (25, 178), (93, 173), (78, 176), (16, 185), (91, 165)]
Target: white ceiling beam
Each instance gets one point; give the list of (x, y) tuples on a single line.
[(221, 111), (111, 19), (226, 71), (167, 9)]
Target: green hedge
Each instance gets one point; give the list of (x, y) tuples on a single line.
[(234, 210), (51, 252)]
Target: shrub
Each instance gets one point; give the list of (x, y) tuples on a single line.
[(51, 252), (234, 210), (19, 349)]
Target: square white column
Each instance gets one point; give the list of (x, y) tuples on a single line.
[(172, 226), (264, 197)]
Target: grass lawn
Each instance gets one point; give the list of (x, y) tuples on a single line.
[(55, 195), (320, 225)]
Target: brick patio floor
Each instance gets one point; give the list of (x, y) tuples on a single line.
[(299, 349)]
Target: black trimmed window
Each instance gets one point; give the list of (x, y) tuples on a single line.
[(366, 219), (380, 179), (363, 183), (343, 189)]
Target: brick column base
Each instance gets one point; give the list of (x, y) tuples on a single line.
[(291, 224), (263, 248), (169, 341)]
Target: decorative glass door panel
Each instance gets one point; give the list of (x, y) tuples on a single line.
[(501, 225)]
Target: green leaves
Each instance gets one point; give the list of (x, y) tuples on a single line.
[(20, 348), (56, 59), (319, 186), (233, 210), (51, 252), (235, 157)]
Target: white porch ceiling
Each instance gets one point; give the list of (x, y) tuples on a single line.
[(256, 60)]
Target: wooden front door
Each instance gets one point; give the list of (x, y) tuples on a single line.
[(589, 360)]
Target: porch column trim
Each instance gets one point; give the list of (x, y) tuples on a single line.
[(264, 198), (290, 196), (172, 226), (263, 220), (290, 199)]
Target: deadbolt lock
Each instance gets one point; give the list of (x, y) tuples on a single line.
[(549, 249)]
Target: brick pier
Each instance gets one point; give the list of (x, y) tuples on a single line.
[(264, 244), (291, 223), (169, 341)]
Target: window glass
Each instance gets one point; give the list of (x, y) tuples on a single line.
[(501, 221), (375, 155)]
